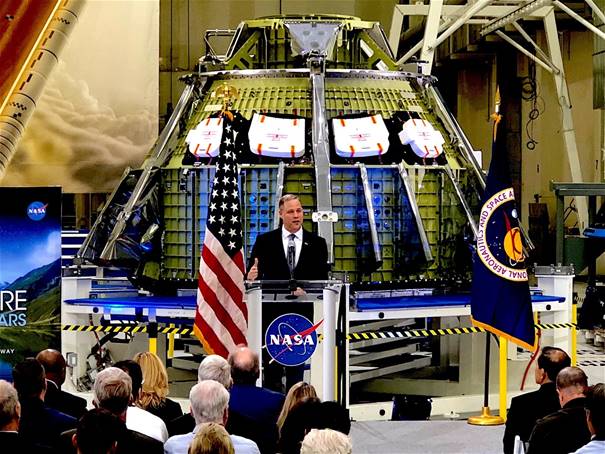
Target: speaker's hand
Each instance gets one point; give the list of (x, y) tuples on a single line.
[(253, 273)]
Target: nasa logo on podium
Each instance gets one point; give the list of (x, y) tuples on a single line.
[(291, 339)]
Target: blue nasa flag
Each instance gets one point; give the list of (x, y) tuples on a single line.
[(501, 302)]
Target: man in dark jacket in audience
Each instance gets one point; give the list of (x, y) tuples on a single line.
[(527, 408), (565, 430), (260, 404), (10, 412), (55, 367), (39, 424)]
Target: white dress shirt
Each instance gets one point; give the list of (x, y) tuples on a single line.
[(146, 423), (298, 239)]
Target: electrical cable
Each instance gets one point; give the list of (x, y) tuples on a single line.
[(530, 93)]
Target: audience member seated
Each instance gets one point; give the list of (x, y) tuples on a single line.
[(334, 416), (211, 438), (39, 424), (595, 418), (527, 408), (136, 418), (215, 367), (155, 388), (10, 411), (112, 391), (303, 417), (54, 368), (209, 403), (297, 393), (326, 441), (260, 404), (565, 430), (98, 432)]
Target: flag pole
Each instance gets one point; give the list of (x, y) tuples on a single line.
[(486, 418)]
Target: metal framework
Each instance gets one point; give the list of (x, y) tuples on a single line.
[(443, 20)]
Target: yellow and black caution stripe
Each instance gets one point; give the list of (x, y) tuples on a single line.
[(366, 335), (132, 329), (404, 334)]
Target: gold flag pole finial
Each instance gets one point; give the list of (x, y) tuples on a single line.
[(226, 94), (496, 115)]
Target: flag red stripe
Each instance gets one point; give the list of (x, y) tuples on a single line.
[(225, 279), (210, 336), (238, 259), (235, 309), (224, 317)]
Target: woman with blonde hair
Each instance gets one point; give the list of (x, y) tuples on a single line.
[(297, 393), (211, 438), (155, 388)]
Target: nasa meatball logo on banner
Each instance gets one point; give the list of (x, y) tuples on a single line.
[(291, 339), (36, 211)]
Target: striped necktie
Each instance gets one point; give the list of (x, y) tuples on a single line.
[(291, 253)]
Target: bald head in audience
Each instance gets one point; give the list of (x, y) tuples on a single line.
[(54, 365), (245, 366), (571, 384), (549, 364)]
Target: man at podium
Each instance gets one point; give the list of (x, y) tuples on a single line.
[(287, 253)]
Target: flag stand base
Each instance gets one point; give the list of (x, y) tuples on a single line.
[(486, 419)]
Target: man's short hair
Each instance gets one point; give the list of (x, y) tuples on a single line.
[(53, 362), (326, 441), (215, 367), (245, 366), (286, 198), (112, 390), (572, 377), (133, 369), (211, 438), (9, 403), (209, 400), (29, 378), (552, 360), (98, 430), (595, 404)]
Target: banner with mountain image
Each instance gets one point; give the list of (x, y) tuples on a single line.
[(30, 273)]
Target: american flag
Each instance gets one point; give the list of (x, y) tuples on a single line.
[(221, 318)]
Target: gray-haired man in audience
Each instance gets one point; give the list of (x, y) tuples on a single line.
[(209, 403), (565, 430), (112, 391)]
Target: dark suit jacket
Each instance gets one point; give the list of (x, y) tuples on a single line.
[(259, 404), (265, 436), (273, 264), (561, 432), (63, 401), (42, 425), (167, 411), (132, 442), (13, 442), (525, 410)]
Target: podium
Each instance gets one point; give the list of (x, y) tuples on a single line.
[(325, 298)]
